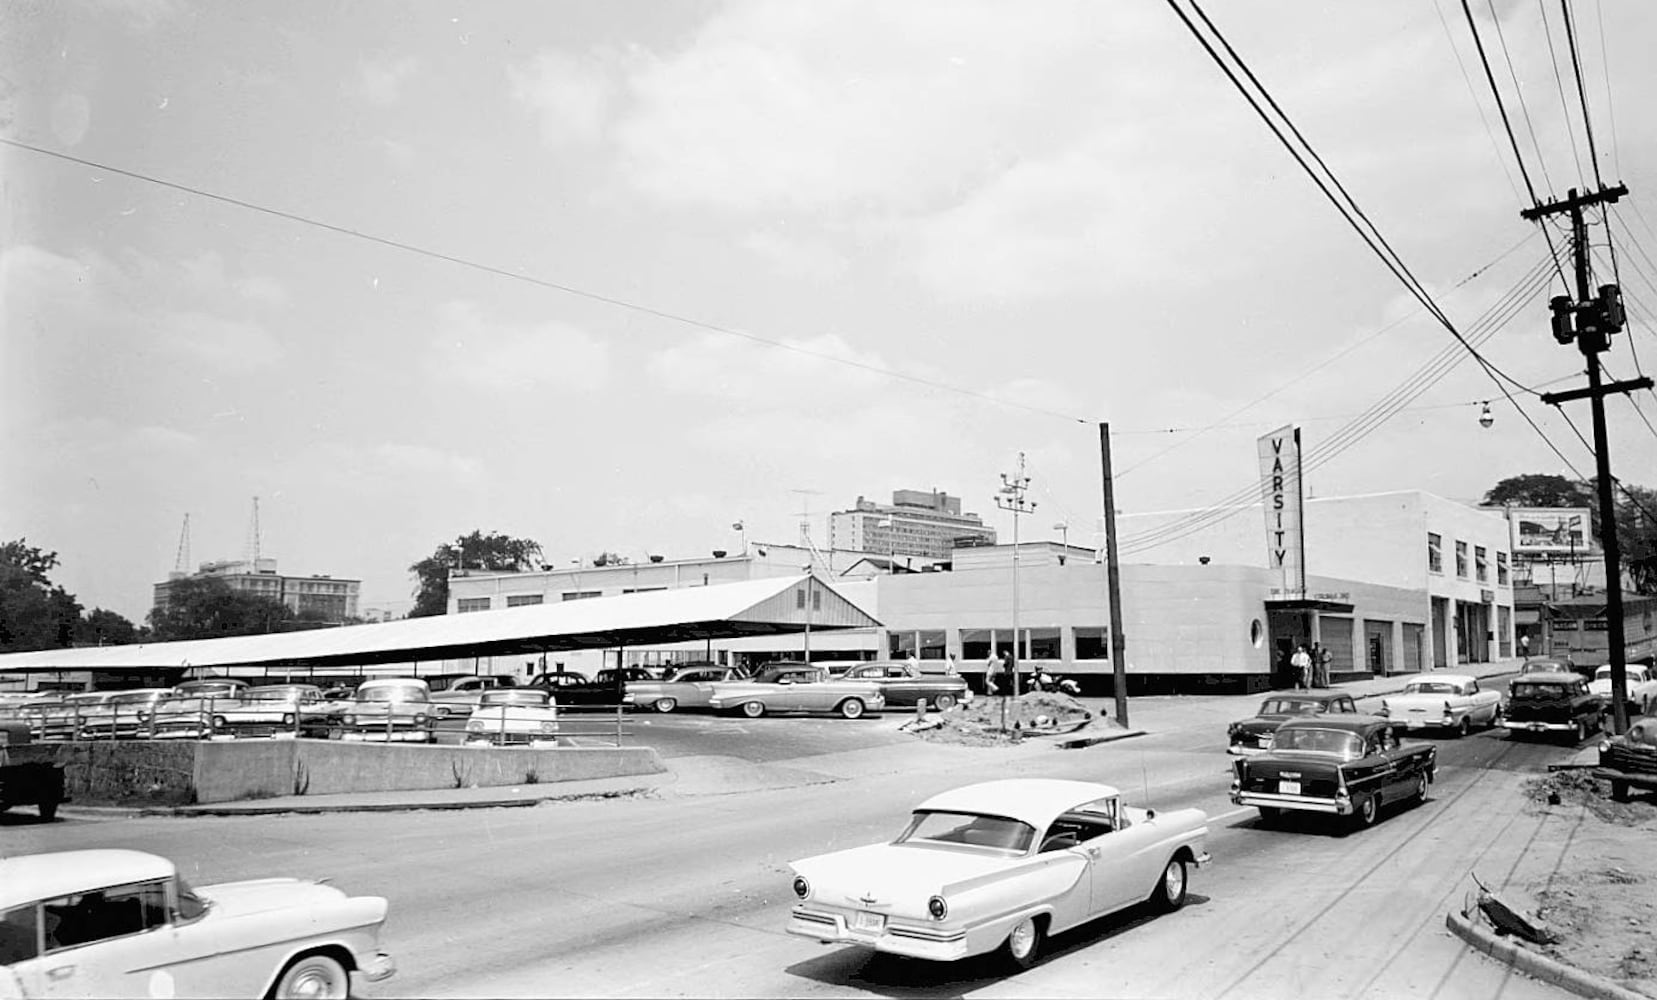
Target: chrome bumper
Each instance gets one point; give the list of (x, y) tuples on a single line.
[(899, 939), (1539, 727), (379, 967), (1274, 801)]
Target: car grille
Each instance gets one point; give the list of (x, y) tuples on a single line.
[(1628, 760), (814, 918)]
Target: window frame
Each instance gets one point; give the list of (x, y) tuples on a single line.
[(1435, 552)]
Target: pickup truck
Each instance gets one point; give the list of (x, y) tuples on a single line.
[(1553, 703), (36, 781), (1453, 702)]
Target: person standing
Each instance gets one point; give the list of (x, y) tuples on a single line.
[(992, 667), (949, 666), (1524, 646), (1302, 663), (1320, 665)]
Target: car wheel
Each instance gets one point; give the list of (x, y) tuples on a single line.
[(313, 976), (1420, 793), (1619, 793), (1367, 810), (852, 708), (944, 702), (665, 705), (1170, 888), (49, 811), (1023, 945), (1464, 727), (753, 709)]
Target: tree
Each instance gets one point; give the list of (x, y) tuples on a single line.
[(494, 552), (101, 627), (1637, 536), (205, 607), (34, 612), (1540, 490), (611, 559)]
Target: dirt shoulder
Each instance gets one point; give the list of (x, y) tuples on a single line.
[(1600, 900), (992, 721)]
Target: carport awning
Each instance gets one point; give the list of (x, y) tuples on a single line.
[(722, 611), (1308, 604)]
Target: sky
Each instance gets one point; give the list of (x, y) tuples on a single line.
[(686, 263)]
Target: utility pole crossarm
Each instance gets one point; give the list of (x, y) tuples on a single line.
[(1574, 201), (1631, 385)]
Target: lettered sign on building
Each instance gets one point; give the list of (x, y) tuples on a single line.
[(1281, 493)]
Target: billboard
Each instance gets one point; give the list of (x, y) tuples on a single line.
[(1551, 530), (1280, 490)]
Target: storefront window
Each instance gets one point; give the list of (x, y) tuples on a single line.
[(900, 644), (1501, 568), (932, 644), (975, 644), (1042, 643), (1435, 552), (1092, 642)]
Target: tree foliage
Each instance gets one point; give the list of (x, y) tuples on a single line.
[(36, 613), (1635, 508), (1540, 490), (493, 552), (205, 607)]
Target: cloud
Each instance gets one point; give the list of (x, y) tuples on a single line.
[(795, 258), (227, 345), (380, 80), (571, 96), (496, 356), (747, 373)]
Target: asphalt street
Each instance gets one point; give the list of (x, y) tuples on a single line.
[(688, 894)]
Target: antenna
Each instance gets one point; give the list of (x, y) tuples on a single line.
[(181, 565), (805, 527), (253, 539)]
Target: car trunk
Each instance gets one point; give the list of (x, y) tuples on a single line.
[(1317, 777)]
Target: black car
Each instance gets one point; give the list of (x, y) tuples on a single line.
[(1251, 736), (1343, 765), (572, 689), (1553, 703), (903, 685), (1630, 760)]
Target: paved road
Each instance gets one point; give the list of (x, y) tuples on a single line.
[(688, 895)]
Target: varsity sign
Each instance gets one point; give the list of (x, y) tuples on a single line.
[(1281, 495)]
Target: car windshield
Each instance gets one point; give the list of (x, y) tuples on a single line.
[(1535, 690), (1342, 744), (393, 693), (1430, 687), (1544, 667), (995, 833), (1291, 706), (514, 697), (272, 694)]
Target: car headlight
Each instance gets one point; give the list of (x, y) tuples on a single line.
[(1604, 745), (475, 726), (802, 888), (549, 727), (287, 718), (350, 720), (420, 719), (937, 907)]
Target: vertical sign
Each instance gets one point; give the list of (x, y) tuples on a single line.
[(1280, 490)]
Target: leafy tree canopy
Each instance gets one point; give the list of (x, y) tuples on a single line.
[(1540, 490), (1635, 508), (493, 552), (36, 613), (205, 607)]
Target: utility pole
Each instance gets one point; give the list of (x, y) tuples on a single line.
[(1011, 497), (1591, 320), (1113, 584)]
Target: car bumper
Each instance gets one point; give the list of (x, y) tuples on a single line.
[(377, 967), (1271, 800), (1539, 727), (381, 736), (1245, 749), (937, 945)]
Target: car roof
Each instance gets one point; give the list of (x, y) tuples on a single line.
[(392, 682), (1036, 801), (1449, 678), (1541, 677), (29, 877), (1345, 723), (1307, 696)]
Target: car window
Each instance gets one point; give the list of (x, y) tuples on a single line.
[(19, 934), (1348, 705), (102, 914), (971, 830), (1347, 746)]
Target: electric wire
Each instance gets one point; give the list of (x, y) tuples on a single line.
[(1559, 83), (572, 290), (1605, 68), (1582, 91), (1519, 94), (1478, 105)]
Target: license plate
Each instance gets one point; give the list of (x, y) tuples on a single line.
[(868, 923), (1288, 787)]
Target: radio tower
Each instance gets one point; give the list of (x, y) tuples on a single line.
[(253, 539), (805, 527), (181, 565)]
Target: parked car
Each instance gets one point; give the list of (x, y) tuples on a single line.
[(1250, 736), (461, 694), (1343, 765), (1000, 865), (1559, 664), (684, 688), (795, 689), (1629, 760), (575, 690), (121, 716), (119, 923), (1454, 702), (902, 684), (212, 687), (391, 710), (182, 718), (61, 720), (1553, 703), (26, 782), (275, 710), (1640, 687), (514, 717)]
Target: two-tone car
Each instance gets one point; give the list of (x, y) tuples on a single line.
[(904, 685), (1639, 688), (686, 687), (1341, 765), (1557, 704), (1252, 736), (512, 716), (459, 695), (1630, 760), (1452, 702), (999, 866), (392, 710), (278, 711), (800, 688), (124, 715), (120, 923)]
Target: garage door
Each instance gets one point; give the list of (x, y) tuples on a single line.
[(1414, 639), (1377, 646), (1335, 632)]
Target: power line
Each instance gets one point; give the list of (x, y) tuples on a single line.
[(1605, 68), (591, 296), (1518, 91), (1582, 91), (1559, 83), (1484, 119)]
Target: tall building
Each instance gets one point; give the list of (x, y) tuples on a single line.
[(922, 523), (335, 599)]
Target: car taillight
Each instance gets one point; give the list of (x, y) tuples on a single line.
[(802, 888), (937, 907)]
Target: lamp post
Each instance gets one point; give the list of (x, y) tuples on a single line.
[(1011, 497), (891, 544), (1063, 528)]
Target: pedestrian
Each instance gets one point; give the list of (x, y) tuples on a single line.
[(949, 666), (1009, 680), (992, 667), (1302, 662), (1524, 645), (914, 663), (1320, 665)]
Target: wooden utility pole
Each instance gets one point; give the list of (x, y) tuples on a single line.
[(1113, 584), (1590, 321)]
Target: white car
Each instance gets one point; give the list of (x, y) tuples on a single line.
[(1638, 682), (1444, 701), (514, 717), (116, 923), (999, 865)]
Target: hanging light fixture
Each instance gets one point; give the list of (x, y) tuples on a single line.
[(1486, 418)]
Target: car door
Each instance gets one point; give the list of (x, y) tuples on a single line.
[(806, 694), (1126, 861), (111, 942)]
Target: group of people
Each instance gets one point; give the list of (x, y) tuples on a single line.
[(1311, 666)]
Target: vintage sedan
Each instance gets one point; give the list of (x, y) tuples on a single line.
[(514, 717), (1560, 664), (1000, 865), (575, 690), (1251, 736), (902, 684), (61, 720), (795, 689), (459, 695), (1639, 685), (1347, 766), (394, 710), (183, 718), (1454, 702), (119, 923), (212, 687), (684, 688), (272, 711), (1555, 703), (123, 716)]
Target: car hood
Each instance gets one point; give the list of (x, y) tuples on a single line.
[(894, 874), (1260, 722), (263, 895)]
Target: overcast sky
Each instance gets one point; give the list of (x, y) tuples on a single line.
[(1041, 216)]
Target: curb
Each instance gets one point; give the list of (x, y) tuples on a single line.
[(1080, 742), (308, 809), (1548, 970)]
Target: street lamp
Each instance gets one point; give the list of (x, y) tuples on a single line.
[(1486, 418), (1012, 498), (891, 544)]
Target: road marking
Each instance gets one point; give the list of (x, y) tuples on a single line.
[(1233, 814)]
